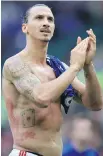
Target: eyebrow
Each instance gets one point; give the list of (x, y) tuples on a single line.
[(44, 15)]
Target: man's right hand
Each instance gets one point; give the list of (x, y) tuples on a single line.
[(78, 54)]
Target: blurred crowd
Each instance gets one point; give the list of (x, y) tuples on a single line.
[(82, 133)]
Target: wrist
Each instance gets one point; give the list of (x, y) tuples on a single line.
[(88, 66), (75, 67), (88, 69)]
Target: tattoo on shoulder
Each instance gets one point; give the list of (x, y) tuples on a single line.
[(16, 66), (28, 118)]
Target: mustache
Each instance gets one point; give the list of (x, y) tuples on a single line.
[(47, 30)]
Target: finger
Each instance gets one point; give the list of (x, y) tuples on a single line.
[(91, 34), (79, 39), (84, 41), (91, 39), (91, 44), (92, 31), (84, 44)]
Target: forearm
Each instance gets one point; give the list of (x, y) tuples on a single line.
[(93, 95), (42, 93), (52, 90)]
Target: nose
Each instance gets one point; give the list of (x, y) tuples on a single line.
[(46, 24)]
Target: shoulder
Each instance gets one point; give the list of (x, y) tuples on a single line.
[(6, 69), (11, 61), (15, 65)]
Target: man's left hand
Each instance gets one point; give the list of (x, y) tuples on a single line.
[(91, 50)]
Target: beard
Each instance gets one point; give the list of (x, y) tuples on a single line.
[(46, 40)]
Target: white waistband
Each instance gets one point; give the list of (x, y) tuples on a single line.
[(17, 152)]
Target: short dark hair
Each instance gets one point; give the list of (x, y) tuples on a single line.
[(26, 15)]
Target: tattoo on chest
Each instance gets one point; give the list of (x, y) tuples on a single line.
[(28, 118)]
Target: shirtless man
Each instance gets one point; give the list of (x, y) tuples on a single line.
[(32, 92)]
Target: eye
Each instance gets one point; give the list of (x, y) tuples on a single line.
[(39, 17), (50, 19)]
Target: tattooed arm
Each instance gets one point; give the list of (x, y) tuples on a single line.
[(8, 89), (21, 80), (29, 85)]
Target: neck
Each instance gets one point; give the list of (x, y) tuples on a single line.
[(36, 51)]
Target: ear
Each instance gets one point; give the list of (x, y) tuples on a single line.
[(24, 28)]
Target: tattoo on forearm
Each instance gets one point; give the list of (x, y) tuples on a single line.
[(28, 118)]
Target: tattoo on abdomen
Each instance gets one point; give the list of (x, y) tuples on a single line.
[(28, 118)]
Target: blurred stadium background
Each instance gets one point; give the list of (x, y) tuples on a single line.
[(72, 19)]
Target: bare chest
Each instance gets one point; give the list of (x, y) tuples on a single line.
[(44, 74), (29, 115)]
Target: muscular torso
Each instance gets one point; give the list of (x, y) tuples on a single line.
[(35, 127)]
